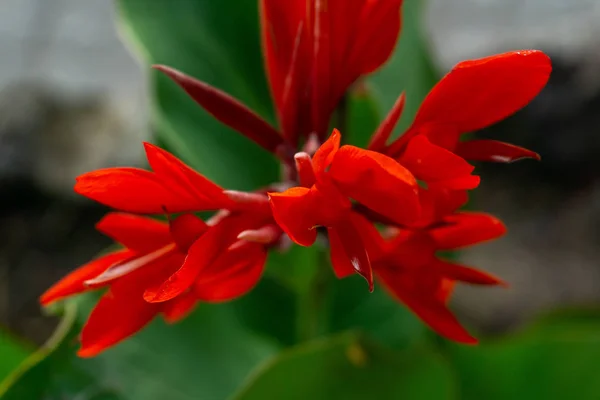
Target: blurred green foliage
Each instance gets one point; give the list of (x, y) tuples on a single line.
[(360, 345)]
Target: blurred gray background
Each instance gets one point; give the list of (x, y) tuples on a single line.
[(73, 99)]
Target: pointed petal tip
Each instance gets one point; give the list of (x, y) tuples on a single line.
[(88, 352)]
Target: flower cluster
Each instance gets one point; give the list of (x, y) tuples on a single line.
[(386, 210)]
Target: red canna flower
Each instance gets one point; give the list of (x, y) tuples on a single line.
[(408, 267), (474, 95), (333, 177), (153, 251)]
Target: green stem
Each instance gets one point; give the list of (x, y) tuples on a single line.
[(312, 303)]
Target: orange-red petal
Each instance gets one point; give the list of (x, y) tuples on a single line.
[(434, 164), (180, 307), (292, 211), (376, 181), (141, 234), (352, 251), (186, 229), (478, 93), (73, 283), (385, 129), (323, 157)]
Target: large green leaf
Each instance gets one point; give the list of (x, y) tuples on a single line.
[(350, 367), (217, 42), (206, 356), (555, 359)]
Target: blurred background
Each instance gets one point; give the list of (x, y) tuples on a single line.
[(73, 99)]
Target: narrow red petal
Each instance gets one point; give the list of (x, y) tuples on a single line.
[(180, 307), (378, 182), (466, 274), (432, 163), (184, 181), (267, 234), (141, 234), (342, 267), (493, 150), (465, 229), (385, 129), (437, 203), (227, 109), (463, 183), (73, 283), (478, 93), (321, 83), (292, 210), (291, 101), (355, 250), (186, 229)]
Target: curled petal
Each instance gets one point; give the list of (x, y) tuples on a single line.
[(323, 157), (354, 252), (465, 229), (141, 234), (232, 275), (73, 283), (227, 109), (264, 235), (180, 307), (292, 210), (200, 255), (186, 229), (478, 93), (306, 174), (376, 181), (493, 150), (434, 164)]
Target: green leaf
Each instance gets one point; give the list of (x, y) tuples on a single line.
[(205, 356), (13, 352), (557, 358), (219, 44), (350, 367)]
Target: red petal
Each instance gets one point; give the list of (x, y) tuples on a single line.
[(180, 307), (466, 274), (74, 282), (292, 210), (376, 181), (342, 267), (186, 229), (279, 22), (478, 93), (304, 166), (493, 150), (234, 274), (187, 183), (116, 317), (200, 255), (437, 203), (291, 101), (434, 164), (354, 250), (465, 229), (135, 232), (325, 154), (385, 129), (227, 109), (428, 307), (462, 183)]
